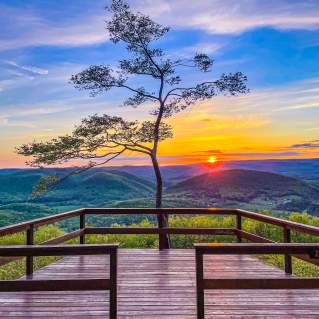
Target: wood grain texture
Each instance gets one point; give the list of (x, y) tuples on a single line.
[(160, 284)]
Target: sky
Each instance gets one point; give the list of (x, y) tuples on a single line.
[(275, 43)]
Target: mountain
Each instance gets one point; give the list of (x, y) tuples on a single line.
[(306, 169), (96, 187), (186, 186), (89, 188), (250, 189)]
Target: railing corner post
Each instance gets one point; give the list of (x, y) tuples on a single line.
[(164, 241)]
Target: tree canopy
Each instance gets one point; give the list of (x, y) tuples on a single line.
[(101, 138)]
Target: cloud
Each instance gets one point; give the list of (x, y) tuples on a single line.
[(27, 26), (24, 27), (20, 111), (246, 154), (6, 122), (308, 145), (31, 69), (12, 118), (208, 152), (233, 17), (292, 97), (263, 154), (205, 119), (302, 106), (200, 47)]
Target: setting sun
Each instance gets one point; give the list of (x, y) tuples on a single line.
[(212, 159)]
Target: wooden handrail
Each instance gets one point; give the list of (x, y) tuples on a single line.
[(286, 226), (171, 211), (56, 250), (155, 231), (66, 284), (11, 229), (249, 283), (259, 248), (311, 230)]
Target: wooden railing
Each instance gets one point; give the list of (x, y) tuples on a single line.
[(312, 250), (236, 231), (64, 284)]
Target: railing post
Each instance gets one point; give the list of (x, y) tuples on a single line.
[(82, 226), (113, 284), (238, 226), (199, 285), (288, 262), (29, 259), (164, 242)]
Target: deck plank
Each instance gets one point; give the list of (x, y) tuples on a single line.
[(160, 284)]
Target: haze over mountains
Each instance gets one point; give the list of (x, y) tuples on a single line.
[(279, 186)]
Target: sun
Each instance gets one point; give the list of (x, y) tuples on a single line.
[(212, 159)]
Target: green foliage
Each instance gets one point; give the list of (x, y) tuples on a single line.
[(19, 212), (102, 187), (16, 269), (127, 241), (249, 189), (300, 268), (44, 184), (187, 241)]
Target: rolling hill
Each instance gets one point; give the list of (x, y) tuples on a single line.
[(110, 187), (250, 188), (90, 186)]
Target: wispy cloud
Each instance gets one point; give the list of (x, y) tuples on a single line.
[(222, 154), (7, 122), (200, 47), (231, 16), (31, 69), (293, 96), (24, 27), (307, 145), (15, 117)]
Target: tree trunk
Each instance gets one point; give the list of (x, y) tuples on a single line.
[(164, 242)]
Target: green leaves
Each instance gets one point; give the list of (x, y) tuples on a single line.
[(44, 185), (203, 62), (98, 78), (136, 29), (99, 138)]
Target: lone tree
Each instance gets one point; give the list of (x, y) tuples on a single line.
[(100, 139)]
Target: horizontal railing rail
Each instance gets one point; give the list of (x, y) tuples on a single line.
[(11, 229), (236, 231), (30, 284), (312, 250)]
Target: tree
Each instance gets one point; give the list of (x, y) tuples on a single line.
[(114, 135)]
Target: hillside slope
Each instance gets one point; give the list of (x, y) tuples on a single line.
[(237, 187), (92, 186)]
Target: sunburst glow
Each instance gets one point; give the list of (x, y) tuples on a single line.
[(212, 159)]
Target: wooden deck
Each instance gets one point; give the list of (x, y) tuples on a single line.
[(160, 284)]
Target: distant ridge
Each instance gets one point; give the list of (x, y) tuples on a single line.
[(250, 186)]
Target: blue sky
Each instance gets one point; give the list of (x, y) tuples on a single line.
[(276, 43)]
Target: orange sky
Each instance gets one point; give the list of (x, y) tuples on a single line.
[(238, 128)]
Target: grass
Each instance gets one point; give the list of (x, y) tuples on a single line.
[(17, 269)]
